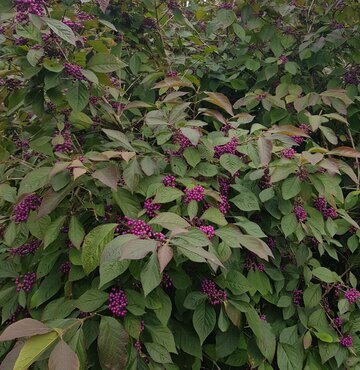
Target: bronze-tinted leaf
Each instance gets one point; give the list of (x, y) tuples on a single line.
[(103, 4), (63, 357), (220, 100), (24, 328), (9, 361), (165, 255), (345, 151), (108, 176), (265, 150), (288, 130)]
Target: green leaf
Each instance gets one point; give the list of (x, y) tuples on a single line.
[(76, 232), (239, 31), (94, 244), (111, 270), (47, 289), (150, 275), (192, 156), (162, 335), (78, 96), (170, 221), (128, 203), (158, 353), (38, 226), (324, 337), (61, 29), (289, 357), (105, 63), (53, 231), (120, 137), (226, 17), (237, 282), (166, 194), (289, 224), (33, 349), (112, 344), (214, 215), (231, 163), (137, 249), (291, 187), (34, 180), (250, 227), (256, 246), (326, 275), (91, 300), (312, 295), (291, 67), (8, 193), (246, 200), (204, 320)]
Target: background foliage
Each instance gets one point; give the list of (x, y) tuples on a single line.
[(179, 185)]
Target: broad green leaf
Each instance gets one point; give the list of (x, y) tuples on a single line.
[(324, 337), (246, 200), (150, 275), (250, 227), (53, 231), (289, 224), (105, 63), (214, 215), (61, 29), (326, 275), (289, 357), (47, 289), (158, 353), (34, 180), (231, 163), (291, 187), (167, 194), (78, 96), (127, 202), (76, 232), (192, 156), (170, 221), (204, 320), (312, 295), (91, 300)]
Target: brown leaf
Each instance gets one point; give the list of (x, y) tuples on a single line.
[(331, 165), (137, 104), (108, 176), (312, 158), (215, 114), (244, 117), (137, 249), (59, 167), (63, 357), (288, 130), (165, 255), (172, 82), (51, 200), (345, 151), (265, 150), (220, 100), (126, 156), (103, 4), (77, 172), (24, 328), (256, 246), (9, 361)]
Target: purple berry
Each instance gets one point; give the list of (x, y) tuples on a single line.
[(208, 230), (352, 295), (215, 296), (169, 181), (23, 208), (117, 302), (300, 213), (26, 249), (346, 341), (288, 153), (229, 148), (197, 194), (151, 207), (297, 297), (26, 282)]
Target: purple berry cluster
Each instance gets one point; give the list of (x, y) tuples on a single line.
[(225, 6), (23, 208), (321, 205), (166, 281), (93, 100), (183, 142), (65, 267), (283, 59), (83, 16), (75, 26), (197, 194), (28, 248), (216, 296), (20, 313), (297, 296), (66, 145), (300, 213), (346, 341), (265, 181), (352, 295), (224, 205), (139, 228), (117, 302), (25, 282), (149, 23), (26, 7), (119, 107), (251, 263), (351, 77), (337, 322), (151, 207), (228, 148), (74, 71), (298, 139), (169, 181), (172, 74), (263, 317), (288, 153), (208, 230), (302, 174), (11, 84), (271, 242)]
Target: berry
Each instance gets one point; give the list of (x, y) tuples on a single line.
[(65, 267), (23, 208), (74, 71), (183, 142), (166, 281), (197, 194), (215, 296), (283, 59), (263, 317), (330, 213), (320, 204), (297, 297), (265, 181), (208, 230), (346, 341), (117, 302), (229, 148), (337, 322), (271, 242), (26, 249), (172, 74), (151, 207), (149, 23), (298, 139), (352, 295), (65, 146), (302, 174), (225, 6), (169, 181), (139, 228), (26, 282), (300, 213), (288, 153)]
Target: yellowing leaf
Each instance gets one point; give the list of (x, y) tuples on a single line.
[(220, 100)]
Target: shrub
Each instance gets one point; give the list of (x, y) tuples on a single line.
[(179, 185)]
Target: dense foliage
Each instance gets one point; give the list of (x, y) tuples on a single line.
[(179, 185)]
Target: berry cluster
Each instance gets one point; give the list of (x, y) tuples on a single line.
[(20, 313), (263, 317), (298, 139), (93, 100), (23, 208), (297, 297), (118, 302), (288, 153), (75, 26), (228, 148), (183, 142), (224, 205), (26, 7), (139, 228), (74, 71), (283, 59), (271, 242), (119, 107), (65, 267), (65, 144), (321, 205), (151, 207), (172, 74), (169, 181), (251, 263), (215, 296), (352, 295), (208, 230), (28, 248), (346, 341), (197, 194), (302, 174), (11, 84), (225, 6), (351, 77), (300, 213), (26, 282), (265, 181), (166, 281), (149, 23), (337, 322)]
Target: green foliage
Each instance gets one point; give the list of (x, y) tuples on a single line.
[(179, 185)]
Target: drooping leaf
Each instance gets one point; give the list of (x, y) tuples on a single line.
[(24, 328), (61, 29), (220, 100), (63, 357)]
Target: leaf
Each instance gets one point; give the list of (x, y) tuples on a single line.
[(108, 176), (110, 270), (246, 200), (33, 349), (289, 224), (250, 227), (34, 180), (91, 300), (192, 134), (53, 231), (76, 232), (287, 130), (231, 163), (8, 362), (204, 320), (220, 100), (167, 194), (345, 151), (61, 29), (158, 353), (51, 200), (289, 357), (265, 150), (214, 215), (105, 63), (112, 344), (94, 244), (127, 202), (150, 275), (256, 246), (329, 134), (170, 221), (172, 82), (103, 4), (226, 17), (291, 187), (201, 253), (137, 249), (312, 296), (63, 357), (24, 328), (47, 289), (78, 96), (326, 275), (307, 340), (192, 156), (165, 255), (324, 337), (119, 136)]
